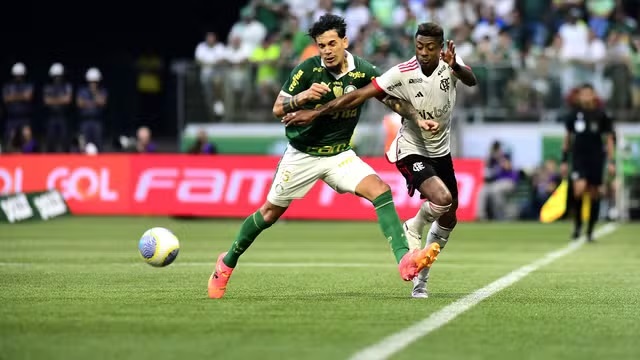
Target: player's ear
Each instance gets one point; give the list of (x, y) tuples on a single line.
[(345, 42)]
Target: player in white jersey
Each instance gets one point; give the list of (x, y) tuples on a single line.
[(420, 151)]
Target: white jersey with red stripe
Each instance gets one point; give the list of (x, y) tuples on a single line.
[(433, 96)]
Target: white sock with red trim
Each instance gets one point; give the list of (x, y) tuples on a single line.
[(428, 213)]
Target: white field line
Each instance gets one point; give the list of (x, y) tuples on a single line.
[(396, 342)]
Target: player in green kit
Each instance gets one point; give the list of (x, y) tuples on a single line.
[(321, 151)]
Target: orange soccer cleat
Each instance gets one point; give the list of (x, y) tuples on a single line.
[(219, 279), (416, 260)]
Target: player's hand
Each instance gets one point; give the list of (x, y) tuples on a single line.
[(299, 117), (429, 125), (564, 170), (315, 92), (449, 54), (611, 169)]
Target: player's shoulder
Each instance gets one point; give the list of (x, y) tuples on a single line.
[(408, 66), (361, 62), (310, 64)]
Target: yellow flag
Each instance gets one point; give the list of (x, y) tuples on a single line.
[(586, 207), (556, 204)]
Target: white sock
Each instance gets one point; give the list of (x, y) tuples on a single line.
[(427, 214), (437, 234)]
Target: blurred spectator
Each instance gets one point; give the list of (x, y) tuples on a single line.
[(265, 58), (288, 58), (500, 181), (21, 141), (238, 87), (302, 10), (202, 145), (544, 182), (250, 31), (401, 14), (433, 10), (504, 9), (143, 141), (325, 7), (17, 95), (209, 56), (270, 12), (382, 10), (599, 13), (356, 16), (487, 27), (459, 13), (617, 70), (575, 47), (92, 103), (534, 14), (300, 38), (58, 96), (595, 61)]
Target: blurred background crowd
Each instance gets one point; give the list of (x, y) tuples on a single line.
[(528, 56), (536, 51)]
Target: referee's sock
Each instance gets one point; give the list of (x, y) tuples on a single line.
[(593, 216), (577, 216)]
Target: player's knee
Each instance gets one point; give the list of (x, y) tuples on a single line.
[(383, 187), (271, 213), (442, 198), (372, 187)]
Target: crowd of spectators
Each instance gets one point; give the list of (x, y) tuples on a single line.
[(534, 51)]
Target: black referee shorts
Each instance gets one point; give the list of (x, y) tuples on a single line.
[(588, 168)]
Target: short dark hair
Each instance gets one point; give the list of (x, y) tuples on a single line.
[(328, 22), (431, 29)]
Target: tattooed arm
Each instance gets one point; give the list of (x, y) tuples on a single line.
[(402, 107)]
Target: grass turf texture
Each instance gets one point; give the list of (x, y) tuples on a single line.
[(76, 288)]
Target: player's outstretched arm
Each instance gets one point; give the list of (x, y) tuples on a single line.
[(461, 71), (343, 102), (406, 110), (349, 101), (286, 104)]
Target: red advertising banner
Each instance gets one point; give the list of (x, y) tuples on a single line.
[(216, 186)]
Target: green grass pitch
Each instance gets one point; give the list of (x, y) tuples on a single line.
[(77, 288)]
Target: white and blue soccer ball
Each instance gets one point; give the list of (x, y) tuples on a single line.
[(159, 246)]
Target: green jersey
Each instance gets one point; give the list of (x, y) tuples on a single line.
[(328, 134)]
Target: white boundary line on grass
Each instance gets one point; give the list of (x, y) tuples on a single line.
[(394, 343)]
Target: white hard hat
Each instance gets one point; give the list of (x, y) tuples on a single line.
[(93, 74), (18, 69), (56, 69), (91, 149)]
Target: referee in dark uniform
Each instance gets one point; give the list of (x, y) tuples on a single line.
[(588, 130)]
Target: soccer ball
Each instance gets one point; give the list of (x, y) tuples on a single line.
[(159, 246)]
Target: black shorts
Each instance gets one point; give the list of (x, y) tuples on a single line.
[(588, 168), (417, 168)]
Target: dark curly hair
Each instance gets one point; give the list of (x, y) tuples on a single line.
[(328, 22), (431, 29)]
